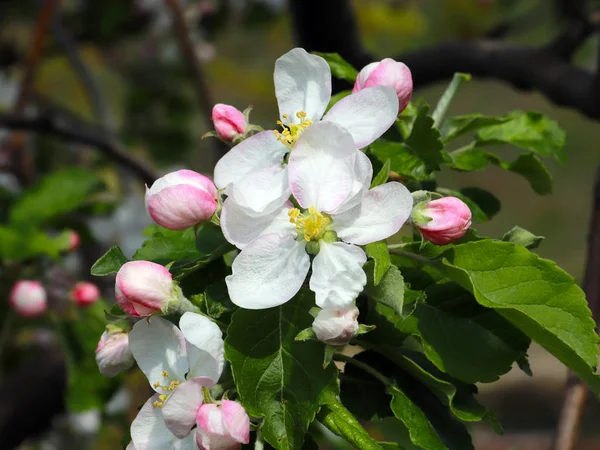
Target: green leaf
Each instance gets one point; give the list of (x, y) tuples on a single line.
[(340, 68), (378, 252), (56, 194), (162, 248), (532, 169), (306, 335), (211, 243), (424, 140), (389, 291), (534, 295), (444, 102), (277, 377), (460, 125), (383, 175), (520, 236), (109, 263), (470, 158), (483, 206), (402, 160), (528, 130), (17, 243)]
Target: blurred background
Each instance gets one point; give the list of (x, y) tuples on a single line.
[(138, 78)]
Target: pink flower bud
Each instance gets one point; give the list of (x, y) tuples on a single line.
[(387, 73), (28, 298), (74, 240), (113, 354), (181, 199), (336, 326), (229, 121), (443, 220), (222, 426), (85, 293), (144, 288)]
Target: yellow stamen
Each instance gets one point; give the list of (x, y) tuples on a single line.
[(292, 131), (311, 225), (163, 397), (157, 404), (165, 374), (173, 385), (157, 384)]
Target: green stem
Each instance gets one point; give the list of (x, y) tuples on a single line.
[(361, 365), (259, 444), (411, 255)]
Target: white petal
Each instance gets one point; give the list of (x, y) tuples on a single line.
[(252, 154), (207, 348), (262, 191), (363, 174), (321, 167), (367, 114), (302, 83), (268, 272), (159, 346), (149, 431), (337, 275), (383, 211), (179, 410), (240, 228), (187, 443)]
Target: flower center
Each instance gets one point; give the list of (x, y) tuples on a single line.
[(168, 388), (292, 131), (311, 224)]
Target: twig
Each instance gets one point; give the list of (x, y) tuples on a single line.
[(411, 255), (81, 133), (576, 391)]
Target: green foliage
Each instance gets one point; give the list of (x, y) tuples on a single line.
[(444, 102), (401, 159), (18, 243), (378, 252), (389, 291), (424, 140), (109, 263), (340, 68), (521, 236), (382, 176)]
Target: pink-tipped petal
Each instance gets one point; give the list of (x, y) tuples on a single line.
[(229, 121), (28, 298)]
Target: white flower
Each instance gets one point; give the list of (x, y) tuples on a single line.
[(337, 213), (254, 172), (336, 326), (177, 363)]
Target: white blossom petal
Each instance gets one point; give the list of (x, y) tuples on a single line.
[(252, 154), (367, 114), (187, 443), (240, 228), (321, 167), (337, 275), (149, 431), (302, 83), (363, 174), (179, 410), (262, 191), (207, 348), (382, 212), (268, 272)]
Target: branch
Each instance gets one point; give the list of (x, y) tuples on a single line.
[(80, 132)]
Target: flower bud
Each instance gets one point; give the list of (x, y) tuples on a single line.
[(222, 426), (443, 220), (181, 199), (74, 240), (85, 293), (336, 326), (144, 288), (229, 122), (28, 298), (113, 354), (387, 73)]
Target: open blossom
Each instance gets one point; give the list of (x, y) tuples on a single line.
[(222, 426), (330, 182), (387, 73), (113, 354), (181, 200), (336, 326), (254, 172), (178, 362), (85, 293), (28, 298), (443, 220), (229, 122), (144, 288)]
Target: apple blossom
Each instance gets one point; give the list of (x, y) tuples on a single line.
[(254, 173), (144, 288), (443, 220), (74, 240), (181, 199), (222, 426), (85, 293), (178, 363), (336, 326), (337, 212), (28, 298), (387, 73), (113, 354), (230, 123)]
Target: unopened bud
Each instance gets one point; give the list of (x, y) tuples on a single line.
[(222, 426), (74, 240), (443, 220), (113, 354), (336, 326), (85, 293), (28, 298), (229, 122), (387, 73)]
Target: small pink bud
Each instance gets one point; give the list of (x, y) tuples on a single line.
[(336, 326), (181, 199), (28, 298), (144, 288), (85, 293), (229, 121), (387, 73), (443, 220), (113, 354), (223, 426), (74, 240)]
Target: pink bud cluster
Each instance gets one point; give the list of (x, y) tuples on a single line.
[(443, 220), (229, 122), (222, 426), (28, 298), (387, 73), (85, 293)]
